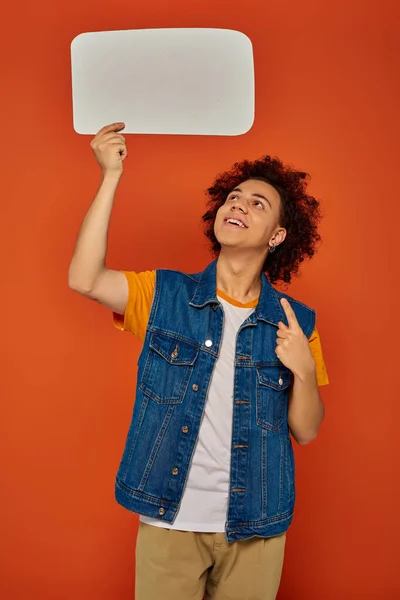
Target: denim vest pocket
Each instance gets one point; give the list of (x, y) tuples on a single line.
[(168, 368), (272, 392)]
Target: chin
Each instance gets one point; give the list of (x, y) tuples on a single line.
[(227, 240), (231, 237), (231, 244)]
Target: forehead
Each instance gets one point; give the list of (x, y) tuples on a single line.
[(255, 186)]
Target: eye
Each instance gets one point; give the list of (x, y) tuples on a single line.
[(259, 204)]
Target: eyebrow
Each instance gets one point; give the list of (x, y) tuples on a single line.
[(255, 195)]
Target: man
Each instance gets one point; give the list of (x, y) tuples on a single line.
[(229, 371)]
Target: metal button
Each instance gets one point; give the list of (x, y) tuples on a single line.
[(174, 354), (280, 381), (185, 429), (208, 343), (215, 307), (161, 511), (175, 471), (195, 387)]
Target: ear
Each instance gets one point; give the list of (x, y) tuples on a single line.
[(278, 237)]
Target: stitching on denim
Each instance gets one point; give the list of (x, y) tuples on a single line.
[(258, 524), (193, 276), (135, 437), (146, 497), (160, 350), (281, 473), (174, 335), (177, 336), (264, 490), (156, 447), (260, 421)]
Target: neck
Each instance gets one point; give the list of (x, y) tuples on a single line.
[(238, 275)]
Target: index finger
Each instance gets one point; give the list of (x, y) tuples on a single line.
[(111, 127), (289, 312)]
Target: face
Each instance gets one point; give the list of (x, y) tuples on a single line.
[(249, 219)]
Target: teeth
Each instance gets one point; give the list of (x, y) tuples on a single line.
[(235, 222)]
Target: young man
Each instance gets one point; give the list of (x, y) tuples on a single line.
[(229, 371)]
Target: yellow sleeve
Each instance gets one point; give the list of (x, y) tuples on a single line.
[(141, 290), (316, 349)]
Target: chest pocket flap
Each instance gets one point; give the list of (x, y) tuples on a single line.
[(173, 350), (274, 377)]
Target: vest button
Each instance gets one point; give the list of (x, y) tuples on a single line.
[(161, 511), (185, 429), (215, 306), (208, 343), (195, 387), (175, 471)]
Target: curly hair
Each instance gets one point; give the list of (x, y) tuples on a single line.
[(300, 213)]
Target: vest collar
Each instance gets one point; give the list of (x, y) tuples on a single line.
[(269, 308)]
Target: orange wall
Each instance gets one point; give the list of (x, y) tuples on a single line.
[(327, 96)]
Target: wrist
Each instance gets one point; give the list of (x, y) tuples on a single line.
[(307, 375), (112, 177)]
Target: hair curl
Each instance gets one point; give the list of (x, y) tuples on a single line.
[(300, 213)]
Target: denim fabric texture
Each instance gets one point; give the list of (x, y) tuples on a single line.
[(174, 371)]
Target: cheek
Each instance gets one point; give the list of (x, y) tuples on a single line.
[(218, 218), (264, 230)]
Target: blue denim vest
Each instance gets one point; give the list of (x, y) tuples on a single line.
[(174, 373)]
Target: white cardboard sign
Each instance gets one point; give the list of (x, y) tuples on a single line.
[(163, 81)]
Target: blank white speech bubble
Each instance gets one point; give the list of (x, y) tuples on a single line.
[(163, 81)]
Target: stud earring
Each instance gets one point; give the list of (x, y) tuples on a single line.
[(272, 248)]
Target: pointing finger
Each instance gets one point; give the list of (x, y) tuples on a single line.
[(291, 317)]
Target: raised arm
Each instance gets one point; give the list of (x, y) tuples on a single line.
[(88, 274)]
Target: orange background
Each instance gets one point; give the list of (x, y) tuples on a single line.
[(327, 97)]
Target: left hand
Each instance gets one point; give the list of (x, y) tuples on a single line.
[(292, 347)]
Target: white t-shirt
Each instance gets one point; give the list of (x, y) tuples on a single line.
[(205, 499)]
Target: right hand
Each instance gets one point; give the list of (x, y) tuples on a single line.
[(109, 148)]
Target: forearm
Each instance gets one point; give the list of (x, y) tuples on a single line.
[(306, 409), (91, 246)]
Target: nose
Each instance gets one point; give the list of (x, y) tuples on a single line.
[(239, 205)]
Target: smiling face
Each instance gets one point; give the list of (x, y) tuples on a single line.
[(250, 217)]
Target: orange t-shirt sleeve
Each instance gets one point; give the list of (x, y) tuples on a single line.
[(316, 350), (140, 297)]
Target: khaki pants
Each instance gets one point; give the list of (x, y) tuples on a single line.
[(181, 565)]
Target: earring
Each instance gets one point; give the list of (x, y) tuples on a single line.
[(272, 248)]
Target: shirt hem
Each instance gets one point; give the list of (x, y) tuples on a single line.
[(194, 527)]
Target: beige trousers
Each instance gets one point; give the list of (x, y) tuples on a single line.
[(181, 565)]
